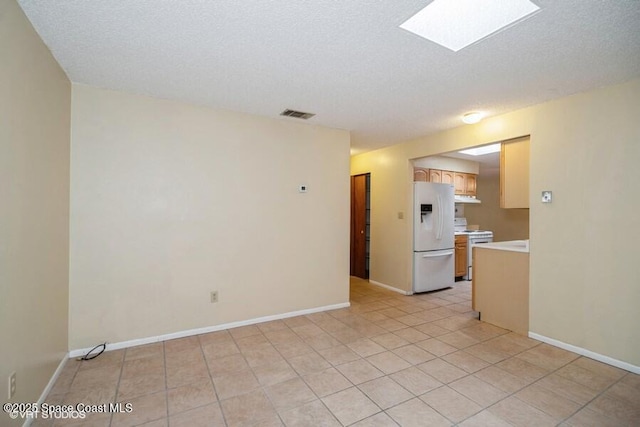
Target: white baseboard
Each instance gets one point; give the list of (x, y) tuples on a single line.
[(198, 331), (48, 388), (391, 288), (588, 353)]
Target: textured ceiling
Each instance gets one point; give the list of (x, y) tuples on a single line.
[(346, 61)]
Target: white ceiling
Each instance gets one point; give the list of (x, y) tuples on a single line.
[(346, 61)]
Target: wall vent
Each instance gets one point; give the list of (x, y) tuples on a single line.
[(297, 114)]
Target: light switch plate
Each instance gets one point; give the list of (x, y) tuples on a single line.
[(546, 196)]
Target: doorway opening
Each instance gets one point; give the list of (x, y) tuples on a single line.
[(360, 225)]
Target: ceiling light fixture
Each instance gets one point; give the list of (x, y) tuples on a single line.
[(455, 24), (472, 118), (480, 151)]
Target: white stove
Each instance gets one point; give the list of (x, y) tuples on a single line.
[(475, 237)]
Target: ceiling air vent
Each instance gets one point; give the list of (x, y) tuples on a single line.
[(297, 114)]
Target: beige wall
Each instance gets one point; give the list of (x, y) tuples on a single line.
[(171, 201), (506, 224), (584, 271), (34, 208)]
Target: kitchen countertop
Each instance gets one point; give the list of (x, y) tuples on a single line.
[(512, 245)]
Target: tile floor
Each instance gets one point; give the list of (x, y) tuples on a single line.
[(388, 360)]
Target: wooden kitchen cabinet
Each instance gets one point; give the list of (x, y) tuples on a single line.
[(464, 183), (514, 174), (461, 255), (460, 183), (448, 177), (420, 174)]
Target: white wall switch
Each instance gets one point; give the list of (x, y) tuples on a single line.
[(546, 196)]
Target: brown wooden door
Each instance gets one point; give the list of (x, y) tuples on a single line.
[(359, 226)]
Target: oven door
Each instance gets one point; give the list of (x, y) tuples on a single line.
[(473, 241)]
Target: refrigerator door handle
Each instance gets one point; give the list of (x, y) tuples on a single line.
[(440, 221), (438, 255)]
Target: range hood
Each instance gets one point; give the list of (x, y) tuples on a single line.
[(466, 199)]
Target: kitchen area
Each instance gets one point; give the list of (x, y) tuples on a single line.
[(482, 234)]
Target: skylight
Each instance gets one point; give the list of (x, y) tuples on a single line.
[(455, 24), (480, 151)]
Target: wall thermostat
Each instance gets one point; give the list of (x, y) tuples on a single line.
[(546, 196), (303, 188)]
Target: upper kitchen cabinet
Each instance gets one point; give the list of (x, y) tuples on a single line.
[(421, 175), (514, 174), (448, 177)]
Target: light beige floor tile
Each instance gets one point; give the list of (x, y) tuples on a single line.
[(437, 347), (294, 322), (228, 365), (221, 349), (450, 403), (487, 352), (244, 331), (501, 379), (618, 409), (290, 394), (547, 356), (322, 341), (484, 419), (235, 385), (413, 354), (417, 413), (262, 355), (274, 325), (139, 385), (586, 377), (412, 335), (144, 409), (327, 382), (186, 373), (483, 331), (248, 409), (350, 405), (624, 391), (390, 341), (153, 365), (432, 330), (204, 416), (415, 381), (442, 371), (91, 379), (311, 414), (458, 339), (518, 413), (523, 369), (190, 396), (378, 420), (365, 347), (571, 390), (112, 358), (547, 401), (388, 362), (91, 420), (385, 392), (274, 373), (483, 393), (339, 354), (163, 422), (411, 320), (93, 396), (181, 344), (588, 418), (308, 363), (143, 351), (359, 371), (390, 325), (289, 351), (465, 361)]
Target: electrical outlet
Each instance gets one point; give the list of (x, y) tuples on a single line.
[(12, 385), (214, 296)]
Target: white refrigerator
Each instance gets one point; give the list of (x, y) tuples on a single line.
[(433, 236)]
